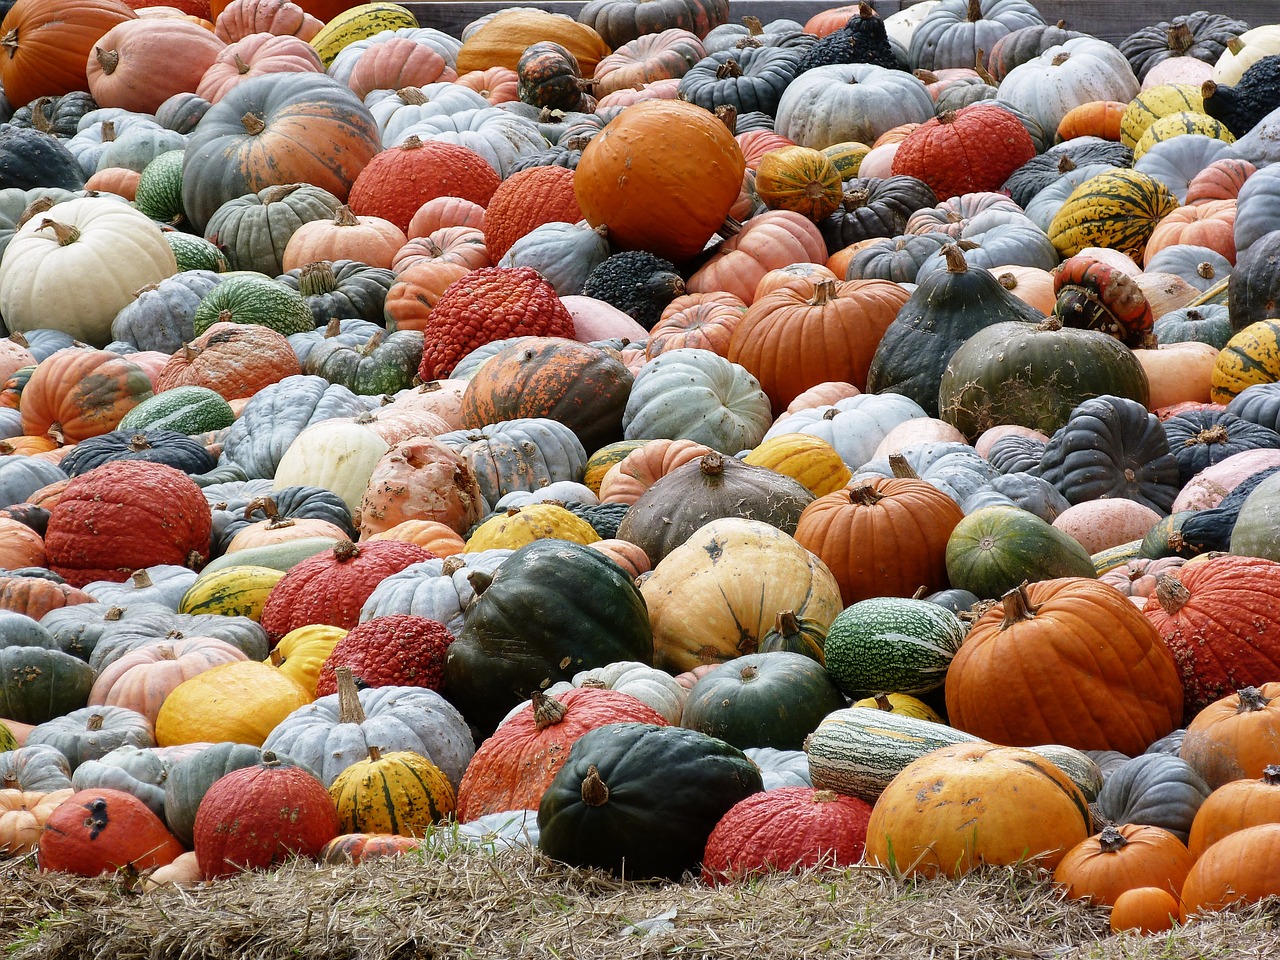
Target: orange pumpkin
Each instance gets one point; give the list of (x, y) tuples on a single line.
[(1097, 118), (702, 321), (1122, 858), (1220, 180), (77, 394), (502, 40), (370, 240), (440, 212), (1144, 910), (118, 180), (232, 359), (1235, 806), (640, 469), (432, 535), (48, 42), (800, 277), (1210, 223), (495, 84), (20, 546), (462, 245), (103, 830), (1242, 867), (418, 287), (774, 239), (35, 596), (1031, 285), (1235, 738)]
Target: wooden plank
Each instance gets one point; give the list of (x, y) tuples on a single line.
[(1111, 20)]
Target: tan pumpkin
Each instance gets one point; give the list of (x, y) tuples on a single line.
[(370, 240), (439, 538), (1178, 372), (22, 817), (138, 64), (420, 479)]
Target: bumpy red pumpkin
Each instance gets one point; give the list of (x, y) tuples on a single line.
[(969, 150), (400, 179), (393, 651), (489, 304), (126, 515), (527, 199)]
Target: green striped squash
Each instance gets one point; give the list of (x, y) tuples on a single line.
[(600, 462), (847, 157), (1079, 767), (1117, 209), (1177, 124), (891, 644), (187, 410), (1150, 105), (858, 750), (246, 297), (399, 793), (994, 549), (7, 740), (1117, 556), (278, 556), (360, 23), (159, 192), (1251, 356), (235, 591), (196, 253)]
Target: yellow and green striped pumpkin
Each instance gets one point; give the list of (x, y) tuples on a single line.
[(598, 463), (847, 157), (1116, 556), (808, 460), (1150, 105), (399, 793), (360, 23), (1176, 124), (237, 591), (799, 179), (1251, 356), (1117, 209)]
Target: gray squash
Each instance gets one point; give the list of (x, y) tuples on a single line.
[(90, 733), (22, 476), (1154, 789), (161, 316), (253, 230), (35, 769)]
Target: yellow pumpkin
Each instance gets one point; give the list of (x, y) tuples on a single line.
[(800, 179), (1177, 124), (1251, 356), (241, 702), (302, 652), (1150, 105), (805, 459), (902, 704), (523, 525), (400, 793)]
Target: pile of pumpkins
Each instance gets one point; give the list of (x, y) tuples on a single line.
[(685, 446)]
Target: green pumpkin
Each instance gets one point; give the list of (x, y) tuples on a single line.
[(892, 644), (250, 298), (762, 700), (1209, 323), (794, 634), (641, 800), (384, 364), (553, 608), (188, 410), (341, 289), (994, 549), (159, 191), (1034, 375), (195, 253), (38, 684), (253, 229)]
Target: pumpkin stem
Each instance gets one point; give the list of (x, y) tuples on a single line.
[(884, 703), (711, 464), (925, 76), (1111, 840), (547, 711), (276, 193), (866, 11), (479, 581), (276, 657), (1017, 606), (1271, 774), (754, 27), (1215, 434), (947, 116), (374, 754), (241, 67), (373, 343), (451, 566), (900, 468), (269, 759), (1251, 700), (749, 673), (922, 591), (64, 233), (748, 43), (345, 218), (1205, 270), (94, 722), (1179, 37), (824, 291), (108, 131), (975, 11), (141, 579), (37, 206), (349, 707), (1060, 59), (108, 60), (42, 114), (865, 495), (1049, 324), (166, 652), (253, 124), (345, 550), (786, 623), (1171, 594), (1066, 164), (1235, 45), (332, 329), (956, 263), (595, 793), (317, 278), (826, 796), (9, 781), (1008, 281), (56, 434), (728, 115), (980, 68), (114, 614), (729, 70), (138, 443), (413, 97)]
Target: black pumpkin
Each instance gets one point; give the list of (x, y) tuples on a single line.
[(1202, 35), (946, 309), (59, 116), (640, 800), (862, 40), (1025, 44), (1253, 290), (553, 608), (1154, 789), (1243, 106), (169, 447), (341, 289), (40, 683), (750, 79), (1112, 447), (29, 158), (874, 207), (1200, 438)]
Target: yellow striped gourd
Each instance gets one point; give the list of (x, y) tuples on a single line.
[(1117, 209), (1251, 356), (1150, 105), (360, 23), (1177, 124)]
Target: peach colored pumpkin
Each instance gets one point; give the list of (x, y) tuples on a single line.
[(1165, 292), (439, 538), (822, 395), (1101, 524), (1207, 488), (420, 479), (1210, 224), (989, 436), (396, 63), (141, 679), (139, 64), (20, 546), (625, 554), (917, 430), (1114, 259), (1178, 372), (268, 533), (1190, 70), (703, 321), (121, 181), (496, 84), (370, 240), (596, 320), (240, 18), (774, 239), (394, 424), (412, 297), (462, 245), (13, 356), (441, 397), (254, 56), (183, 871), (795, 276), (879, 161), (440, 212), (640, 469), (1031, 285)]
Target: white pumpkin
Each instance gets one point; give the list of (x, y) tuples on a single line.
[(333, 455), (394, 111), (1255, 44), (1064, 77), (850, 101), (901, 25), (497, 135), (855, 426), (75, 266)]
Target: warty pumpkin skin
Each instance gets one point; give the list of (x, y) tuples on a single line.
[(1074, 662)]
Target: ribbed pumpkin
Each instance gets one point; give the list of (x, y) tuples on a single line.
[(235, 360), (792, 340), (398, 650), (513, 768), (47, 44), (103, 830), (1235, 806), (134, 66), (1122, 858), (143, 678), (1235, 738), (519, 526), (882, 537), (623, 179), (399, 793), (799, 179), (301, 653), (808, 460), (969, 150), (1152, 104), (126, 515), (1068, 661), (333, 585), (259, 816), (400, 179), (1118, 209), (1241, 868), (1251, 356)]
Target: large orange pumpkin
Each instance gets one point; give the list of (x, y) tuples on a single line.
[(1235, 806), (1123, 858), (47, 43), (1235, 738), (662, 176), (77, 394), (1243, 867)]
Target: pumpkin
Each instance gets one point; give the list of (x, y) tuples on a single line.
[(499, 41), (808, 460), (240, 701), (1236, 737), (639, 212), (354, 848), (394, 793), (1118, 209), (138, 66), (970, 804), (1144, 910), (969, 150), (1057, 625), (1238, 869), (101, 831), (1122, 858), (142, 679), (260, 815), (48, 44), (22, 817)]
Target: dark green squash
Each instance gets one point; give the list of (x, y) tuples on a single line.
[(1201, 438), (874, 207), (385, 363), (640, 800), (794, 634), (1243, 106), (1253, 289), (762, 700), (38, 684), (174, 449), (1034, 375), (994, 549), (341, 289), (553, 609), (59, 116), (29, 158), (945, 310), (1154, 789), (747, 79)]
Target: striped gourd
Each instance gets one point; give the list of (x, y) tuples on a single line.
[(808, 460), (1150, 105), (1117, 209), (600, 462), (1177, 124), (7, 740), (399, 793), (891, 644), (246, 297), (1117, 556), (1079, 767), (159, 191), (857, 751), (195, 253), (1251, 356), (237, 591), (187, 410), (360, 23), (847, 157), (278, 556)]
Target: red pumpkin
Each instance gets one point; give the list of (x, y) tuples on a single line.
[(513, 768), (233, 360), (528, 199), (331, 586), (970, 150), (400, 179), (259, 816), (101, 831), (393, 651), (126, 515), (786, 829)]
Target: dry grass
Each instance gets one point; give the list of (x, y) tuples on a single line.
[(467, 903)]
